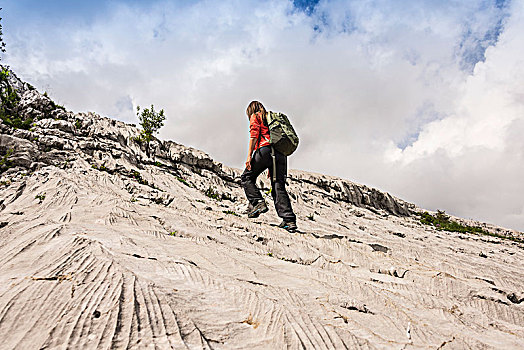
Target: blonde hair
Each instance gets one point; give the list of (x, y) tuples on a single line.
[(254, 107)]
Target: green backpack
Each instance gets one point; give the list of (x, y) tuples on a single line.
[(282, 135)]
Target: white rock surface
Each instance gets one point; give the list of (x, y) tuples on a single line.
[(105, 247)]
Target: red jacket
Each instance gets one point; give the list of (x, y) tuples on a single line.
[(258, 129)]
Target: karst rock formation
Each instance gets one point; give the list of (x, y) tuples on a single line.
[(107, 243)]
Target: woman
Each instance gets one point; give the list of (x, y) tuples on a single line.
[(259, 158)]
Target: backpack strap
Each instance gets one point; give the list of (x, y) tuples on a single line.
[(266, 123), (264, 120), (274, 165)]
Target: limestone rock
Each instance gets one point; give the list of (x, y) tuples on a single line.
[(23, 151), (106, 243)]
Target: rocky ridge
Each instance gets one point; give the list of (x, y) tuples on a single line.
[(109, 244), (58, 136)]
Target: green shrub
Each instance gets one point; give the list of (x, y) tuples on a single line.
[(136, 175), (212, 193), (138, 139), (227, 197), (230, 212), (10, 100), (40, 197), (16, 122), (4, 74), (57, 106), (5, 163), (183, 181), (442, 222)]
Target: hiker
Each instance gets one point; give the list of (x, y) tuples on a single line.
[(260, 158)]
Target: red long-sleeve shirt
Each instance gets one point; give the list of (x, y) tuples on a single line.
[(258, 129)]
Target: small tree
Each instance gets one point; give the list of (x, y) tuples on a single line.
[(151, 122), (2, 44)]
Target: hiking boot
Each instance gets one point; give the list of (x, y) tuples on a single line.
[(258, 209), (291, 226), (248, 209)]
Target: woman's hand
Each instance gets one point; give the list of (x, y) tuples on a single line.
[(252, 142)]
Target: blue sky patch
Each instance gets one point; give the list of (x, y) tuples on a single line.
[(424, 115), (475, 42), (308, 6)]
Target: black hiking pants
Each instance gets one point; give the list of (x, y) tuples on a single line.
[(261, 161)]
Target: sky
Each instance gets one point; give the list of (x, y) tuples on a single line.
[(423, 99)]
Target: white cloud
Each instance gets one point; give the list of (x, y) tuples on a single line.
[(378, 91), (477, 148)]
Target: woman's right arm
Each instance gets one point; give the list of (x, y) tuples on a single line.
[(254, 131), (252, 143)]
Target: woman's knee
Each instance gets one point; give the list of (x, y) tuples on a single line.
[(280, 185), (246, 178)]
